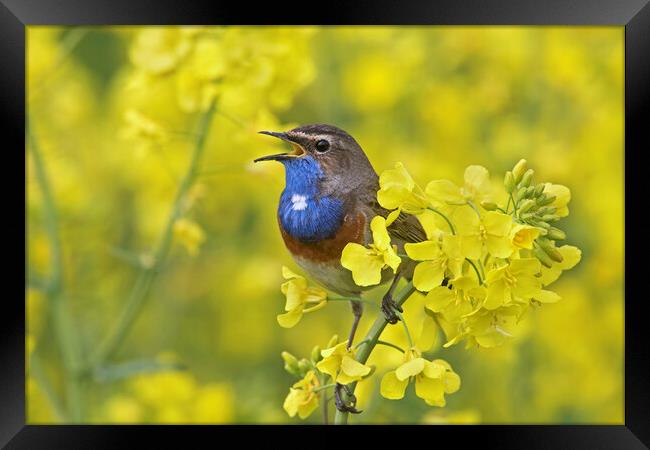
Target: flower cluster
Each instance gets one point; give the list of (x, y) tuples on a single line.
[(301, 298), (170, 397), (433, 379), (367, 263), (497, 260), (481, 268), (336, 363)]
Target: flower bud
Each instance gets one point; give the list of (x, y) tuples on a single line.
[(544, 199), (304, 366), (539, 189), (315, 354), (540, 224), (509, 182), (519, 169), (547, 210), (527, 178), (549, 248), (550, 218), (556, 234), (290, 363), (542, 256), (530, 191), (525, 205), (521, 193), (489, 206), (526, 215)]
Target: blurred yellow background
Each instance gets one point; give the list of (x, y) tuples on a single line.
[(114, 114)]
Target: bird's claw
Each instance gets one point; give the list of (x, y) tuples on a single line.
[(388, 307), (342, 405)]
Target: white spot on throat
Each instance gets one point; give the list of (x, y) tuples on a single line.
[(299, 202)]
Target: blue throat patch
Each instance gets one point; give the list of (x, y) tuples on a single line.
[(303, 213)]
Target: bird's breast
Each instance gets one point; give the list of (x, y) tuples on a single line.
[(328, 250), (309, 217)]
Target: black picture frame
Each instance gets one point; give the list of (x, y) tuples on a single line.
[(634, 15)]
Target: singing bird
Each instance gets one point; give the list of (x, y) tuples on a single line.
[(329, 200)]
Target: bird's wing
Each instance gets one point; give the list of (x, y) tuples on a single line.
[(406, 228)]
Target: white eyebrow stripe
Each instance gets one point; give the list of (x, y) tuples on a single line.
[(315, 137)]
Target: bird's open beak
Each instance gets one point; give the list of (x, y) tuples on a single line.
[(297, 152)]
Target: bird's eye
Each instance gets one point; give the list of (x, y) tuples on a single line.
[(322, 145)]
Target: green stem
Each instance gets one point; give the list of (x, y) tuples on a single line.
[(63, 327), (480, 280), (372, 339), (322, 388), (514, 204), (380, 342), (406, 329), (388, 344), (148, 275), (451, 226), (324, 402), (473, 206), (481, 268)]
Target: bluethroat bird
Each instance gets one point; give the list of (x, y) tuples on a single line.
[(329, 199)]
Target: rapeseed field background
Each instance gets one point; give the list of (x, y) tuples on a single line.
[(154, 256)]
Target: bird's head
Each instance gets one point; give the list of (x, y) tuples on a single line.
[(324, 148), (324, 157)]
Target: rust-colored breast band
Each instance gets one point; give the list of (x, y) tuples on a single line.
[(352, 230)]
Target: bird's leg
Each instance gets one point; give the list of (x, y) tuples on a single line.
[(343, 405), (388, 305), (357, 310)]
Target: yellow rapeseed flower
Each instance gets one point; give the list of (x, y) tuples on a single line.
[(463, 297), (339, 363), (562, 198), (300, 298), (367, 263), (214, 403), (138, 125), (399, 191), (146, 132), (189, 234), (437, 260), (515, 281), (158, 50), (491, 230), (523, 236), (570, 257), (476, 188), (302, 399), (492, 328), (123, 409), (433, 379), (197, 83)]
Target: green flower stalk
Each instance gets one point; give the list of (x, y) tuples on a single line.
[(64, 329), (147, 276)]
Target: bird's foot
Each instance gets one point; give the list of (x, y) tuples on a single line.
[(389, 308), (341, 404)]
